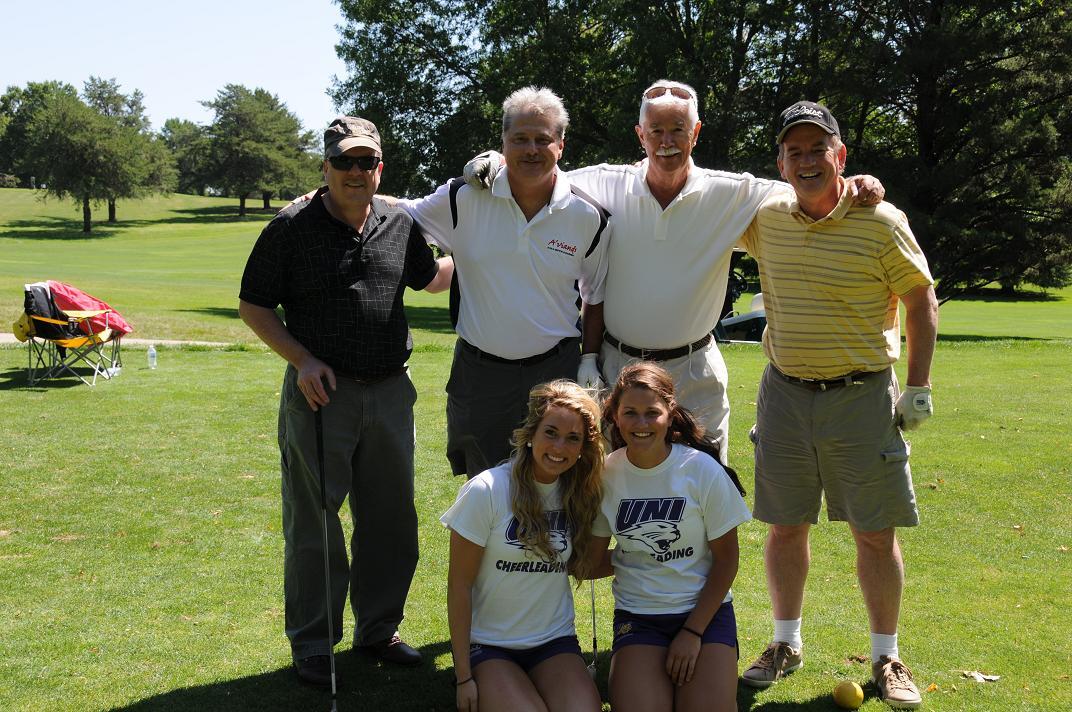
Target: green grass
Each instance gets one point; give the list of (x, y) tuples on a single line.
[(140, 547)]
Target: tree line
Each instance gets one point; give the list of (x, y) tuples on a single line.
[(97, 147), (961, 108)]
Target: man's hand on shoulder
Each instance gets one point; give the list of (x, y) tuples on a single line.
[(914, 406), (866, 190), (303, 198), (480, 171)]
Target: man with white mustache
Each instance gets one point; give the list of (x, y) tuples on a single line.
[(675, 226)]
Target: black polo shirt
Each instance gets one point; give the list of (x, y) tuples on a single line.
[(341, 290)]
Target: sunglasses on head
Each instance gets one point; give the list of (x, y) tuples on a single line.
[(345, 163), (679, 92)]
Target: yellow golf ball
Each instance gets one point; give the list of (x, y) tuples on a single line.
[(848, 695)]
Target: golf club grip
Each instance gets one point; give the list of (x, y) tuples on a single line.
[(318, 420)]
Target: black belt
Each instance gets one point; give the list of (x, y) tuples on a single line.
[(366, 379), (855, 378), (528, 360), (656, 354)]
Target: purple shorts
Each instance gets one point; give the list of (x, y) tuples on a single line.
[(641, 629), (527, 658)]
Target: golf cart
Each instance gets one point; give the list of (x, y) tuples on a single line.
[(734, 327)]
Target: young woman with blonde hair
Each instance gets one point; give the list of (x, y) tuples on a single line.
[(517, 531)]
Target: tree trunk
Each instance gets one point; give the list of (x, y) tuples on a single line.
[(267, 199), (111, 210), (242, 205), (87, 215)]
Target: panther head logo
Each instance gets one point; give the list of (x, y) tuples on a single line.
[(558, 539), (656, 535)]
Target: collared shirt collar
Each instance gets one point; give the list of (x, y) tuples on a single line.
[(693, 182), (560, 194), (375, 217), (845, 200)]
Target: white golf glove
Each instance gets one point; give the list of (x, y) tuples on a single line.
[(914, 406), (480, 171), (588, 375)]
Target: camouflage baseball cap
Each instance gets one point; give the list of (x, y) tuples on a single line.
[(348, 132)]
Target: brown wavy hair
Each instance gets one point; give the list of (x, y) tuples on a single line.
[(684, 428), (580, 487)]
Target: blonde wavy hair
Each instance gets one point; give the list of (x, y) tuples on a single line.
[(580, 487)]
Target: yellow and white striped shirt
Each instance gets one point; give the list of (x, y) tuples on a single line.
[(830, 286)]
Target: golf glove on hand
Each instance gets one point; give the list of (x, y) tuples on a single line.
[(588, 375), (480, 171), (914, 406)]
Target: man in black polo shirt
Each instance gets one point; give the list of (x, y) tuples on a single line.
[(338, 264)]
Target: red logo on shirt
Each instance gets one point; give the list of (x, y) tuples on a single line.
[(563, 247)]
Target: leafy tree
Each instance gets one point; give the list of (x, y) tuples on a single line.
[(256, 143), (143, 164), (189, 145), (70, 147), (962, 108), (18, 106)]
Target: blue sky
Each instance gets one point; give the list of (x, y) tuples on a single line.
[(179, 53)]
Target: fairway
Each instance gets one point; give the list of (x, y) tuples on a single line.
[(140, 545)]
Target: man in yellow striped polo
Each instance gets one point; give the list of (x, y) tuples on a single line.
[(829, 411)]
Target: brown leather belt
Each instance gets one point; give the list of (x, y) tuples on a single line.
[(821, 384), (656, 354)]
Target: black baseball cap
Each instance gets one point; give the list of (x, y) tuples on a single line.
[(807, 112)]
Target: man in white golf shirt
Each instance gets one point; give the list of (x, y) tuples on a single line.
[(675, 227), (524, 252)]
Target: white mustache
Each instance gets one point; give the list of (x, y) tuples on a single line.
[(667, 151)]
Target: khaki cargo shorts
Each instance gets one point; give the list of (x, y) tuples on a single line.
[(842, 442)]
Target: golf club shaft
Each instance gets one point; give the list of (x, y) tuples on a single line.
[(595, 645), (319, 421)]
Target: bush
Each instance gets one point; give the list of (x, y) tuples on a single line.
[(8, 181)]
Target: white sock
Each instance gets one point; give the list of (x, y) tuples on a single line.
[(788, 632), (883, 645)]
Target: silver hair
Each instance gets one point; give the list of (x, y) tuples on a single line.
[(691, 103), (538, 100)]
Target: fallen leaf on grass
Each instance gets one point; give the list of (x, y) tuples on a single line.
[(155, 545), (1062, 548), (216, 512), (5, 532), (859, 659), (68, 537), (933, 687), (246, 477), (979, 677)]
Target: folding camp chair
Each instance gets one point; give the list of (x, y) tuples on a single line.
[(66, 328)]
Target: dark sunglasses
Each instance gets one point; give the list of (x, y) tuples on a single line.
[(345, 163), (679, 92)]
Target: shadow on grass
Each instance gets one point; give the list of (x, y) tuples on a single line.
[(226, 312), (950, 338), (995, 295), (363, 685), (435, 319), (56, 228), (16, 378)]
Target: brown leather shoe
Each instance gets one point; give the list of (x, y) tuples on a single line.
[(314, 670), (393, 650)]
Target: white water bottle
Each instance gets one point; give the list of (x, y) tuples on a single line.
[(152, 356)]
